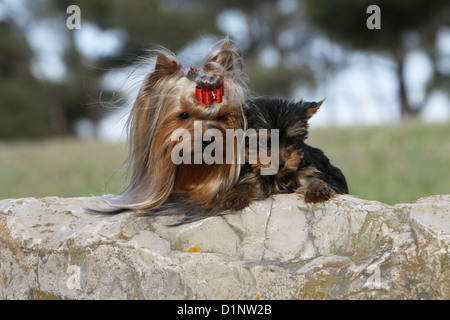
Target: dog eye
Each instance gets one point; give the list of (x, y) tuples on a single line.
[(184, 116)]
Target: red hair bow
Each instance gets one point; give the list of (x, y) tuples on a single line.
[(208, 96)]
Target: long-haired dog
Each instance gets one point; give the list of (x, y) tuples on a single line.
[(300, 168), (175, 99)]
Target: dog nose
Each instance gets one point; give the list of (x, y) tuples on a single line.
[(281, 164)]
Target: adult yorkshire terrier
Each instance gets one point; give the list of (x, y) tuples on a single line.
[(170, 99), (300, 168)]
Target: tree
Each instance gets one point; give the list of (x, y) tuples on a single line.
[(344, 21), (276, 37), (21, 100)]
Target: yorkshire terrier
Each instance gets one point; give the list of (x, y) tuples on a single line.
[(184, 101), (299, 167)]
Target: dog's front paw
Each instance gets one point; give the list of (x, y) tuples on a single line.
[(318, 191), (238, 198)]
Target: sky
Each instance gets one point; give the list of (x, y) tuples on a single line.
[(364, 93)]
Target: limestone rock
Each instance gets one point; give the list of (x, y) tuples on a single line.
[(279, 248)]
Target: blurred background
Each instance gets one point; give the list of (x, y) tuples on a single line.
[(385, 123)]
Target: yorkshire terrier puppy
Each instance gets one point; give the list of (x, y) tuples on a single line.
[(299, 167), (173, 106)]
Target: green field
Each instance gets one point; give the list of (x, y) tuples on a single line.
[(391, 164), (65, 168)]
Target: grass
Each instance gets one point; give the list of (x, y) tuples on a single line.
[(65, 168), (391, 164)]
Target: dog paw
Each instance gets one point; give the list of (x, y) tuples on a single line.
[(318, 191), (238, 198), (236, 204)]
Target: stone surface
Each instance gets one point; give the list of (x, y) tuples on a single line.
[(280, 248)]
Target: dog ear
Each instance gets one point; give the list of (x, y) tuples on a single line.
[(312, 108), (224, 57), (164, 67)]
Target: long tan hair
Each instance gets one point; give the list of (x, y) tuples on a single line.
[(166, 93)]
